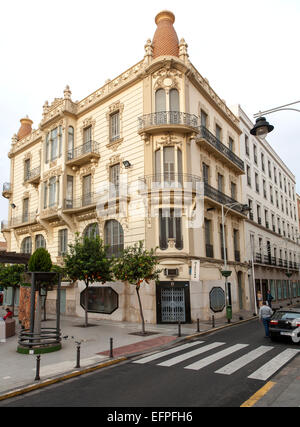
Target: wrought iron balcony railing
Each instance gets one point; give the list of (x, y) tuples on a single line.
[(205, 134), (26, 218), (33, 175), (81, 202), (168, 118), (222, 198), (90, 147), (171, 181)]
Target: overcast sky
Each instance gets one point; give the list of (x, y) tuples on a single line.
[(248, 50)]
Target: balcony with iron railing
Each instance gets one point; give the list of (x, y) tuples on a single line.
[(86, 201), (218, 149), (83, 154), (170, 181), (6, 190), (33, 176), (166, 121), (267, 259), (222, 199), (22, 220)]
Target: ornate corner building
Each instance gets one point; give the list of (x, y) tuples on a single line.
[(153, 155)]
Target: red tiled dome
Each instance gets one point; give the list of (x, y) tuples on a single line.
[(165, 40), (25, 129)]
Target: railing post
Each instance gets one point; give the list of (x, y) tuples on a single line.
[(111, 348), (37, 373)]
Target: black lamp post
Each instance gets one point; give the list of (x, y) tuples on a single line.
[(261, 128)]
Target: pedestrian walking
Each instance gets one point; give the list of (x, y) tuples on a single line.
[(265, 313), (269, 298)]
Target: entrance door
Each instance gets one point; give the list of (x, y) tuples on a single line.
[(173, 302)]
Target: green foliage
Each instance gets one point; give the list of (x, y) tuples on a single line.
[(40, 260), (87, 260), (136, 265), (11, 275)]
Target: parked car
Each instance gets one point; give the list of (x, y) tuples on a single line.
[(285, 323)]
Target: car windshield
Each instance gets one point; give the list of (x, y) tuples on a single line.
[(284, 315)]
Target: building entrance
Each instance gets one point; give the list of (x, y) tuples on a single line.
[(173, 302)]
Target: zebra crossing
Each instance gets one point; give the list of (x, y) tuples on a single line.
[(218, 352)]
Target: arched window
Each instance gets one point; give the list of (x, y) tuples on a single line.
[(174, 100), (40, 241), (70, 142), (160, 100), (26, 245), (114, 237), (92, 230)]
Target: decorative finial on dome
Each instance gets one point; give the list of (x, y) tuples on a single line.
[(165, 40)]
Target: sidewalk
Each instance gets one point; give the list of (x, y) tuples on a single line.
[(18, 372)]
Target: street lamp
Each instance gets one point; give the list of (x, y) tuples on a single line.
[(262, 127)]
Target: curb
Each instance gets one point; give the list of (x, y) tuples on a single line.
[(45, 383)]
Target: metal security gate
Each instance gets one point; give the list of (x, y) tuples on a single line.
[(173, 303)]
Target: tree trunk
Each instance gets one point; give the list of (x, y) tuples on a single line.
[(86, 305), (141, 309)]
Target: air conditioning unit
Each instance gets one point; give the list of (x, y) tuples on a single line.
[(171, 272)]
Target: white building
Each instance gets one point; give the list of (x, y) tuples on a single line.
[(271, 232)]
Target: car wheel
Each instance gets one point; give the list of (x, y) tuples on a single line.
[(273, 338)]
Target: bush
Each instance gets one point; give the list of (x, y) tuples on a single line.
[(40, 260)]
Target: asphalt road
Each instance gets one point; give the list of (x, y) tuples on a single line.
[(163, 382)]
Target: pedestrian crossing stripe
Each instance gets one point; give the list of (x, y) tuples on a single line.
[(214, 357), (166, 352), (274, 364), (192, 353), (263, 373), (243, 361)]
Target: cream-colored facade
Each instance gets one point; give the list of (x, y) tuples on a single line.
[(182, 144)]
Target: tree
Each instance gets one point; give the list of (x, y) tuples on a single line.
[(135, 266), (40, 261), (87, 261), (11, 276)]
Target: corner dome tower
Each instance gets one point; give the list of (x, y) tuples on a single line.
[(165, 40), (26, 127)]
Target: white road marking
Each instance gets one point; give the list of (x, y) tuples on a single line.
[(166, 352), (243, 361), (213, 358), (182, 357), (268, 369)]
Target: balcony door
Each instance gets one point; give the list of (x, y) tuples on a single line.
[(86, 190), (168, 164)]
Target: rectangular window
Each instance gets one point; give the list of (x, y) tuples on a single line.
[(53, 143), (230, 144), (256, 183), (115, 126), (233, 190), (26, 169), (208, 245), (262, 162), (255, 154), (248, 176), (69, 198), (169, 164), (63, 241), (87, 190), (170, 228), (52, 191), (247, 145), (220, 182), (203, 119), (47, 145), (218, 132), (45, 195), (114, 177), (25, 210), (205, 172)]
